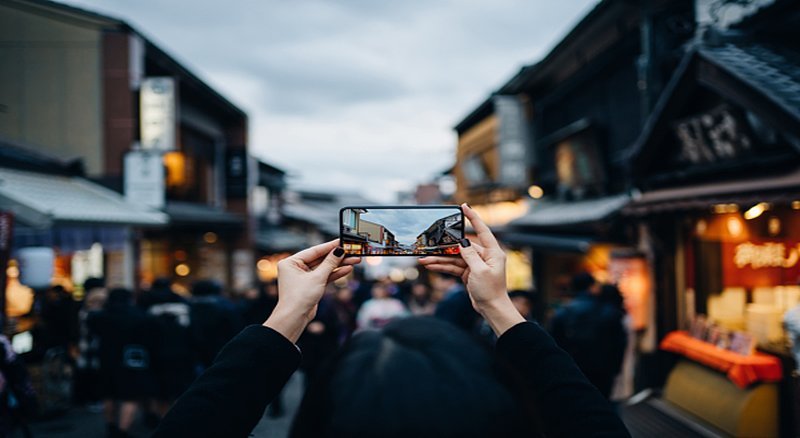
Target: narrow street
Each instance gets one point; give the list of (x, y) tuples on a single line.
[(81, 423)]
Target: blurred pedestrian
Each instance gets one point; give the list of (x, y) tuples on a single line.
[(455, 306), (791, 320), (257, 302), (380, 309), (622, 388), (87, 364), (419, 301), (214, 320), (345, 310), (127, 342), (417, 377), (591, 331), (18, 401), (320, 339), (173, 357), (523, 302)]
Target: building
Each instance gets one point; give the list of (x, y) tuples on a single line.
[(717, 168), (77, 84), (445, 233)]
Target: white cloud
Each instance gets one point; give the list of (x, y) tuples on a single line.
[(353, 94)]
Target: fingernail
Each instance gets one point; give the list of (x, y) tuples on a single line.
[(338, 252), (467, 205), (465, 243)]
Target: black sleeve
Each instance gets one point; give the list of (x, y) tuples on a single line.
[(569, 405), (230, 397)]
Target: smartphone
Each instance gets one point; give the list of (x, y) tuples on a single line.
[(418, 230)]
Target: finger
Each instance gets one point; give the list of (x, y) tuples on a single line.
[(330, 262), (485, 235), (446, 269), (345, 262), (458, 261), (470, 255), (339, 273), (310, 255), (465, 277)]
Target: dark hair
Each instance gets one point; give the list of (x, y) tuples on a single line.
[(202, 288), (119, 297), (582, 282), (93, 283), (417, 377), (610, 294), (161, 283)]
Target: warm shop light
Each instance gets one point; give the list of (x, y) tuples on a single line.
[(756, 210), (210, 237), (725, 208), (182, 270), (774, 226), (796, 205), (411, 273), (735, 227), (535, 192), (396, 275)]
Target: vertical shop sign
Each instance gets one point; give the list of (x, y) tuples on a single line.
[(513, 140), (236, 173), (157, 113), (144, 179), (6, 238)]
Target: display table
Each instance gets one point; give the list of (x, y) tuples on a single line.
[(736, 394), (743, 371)]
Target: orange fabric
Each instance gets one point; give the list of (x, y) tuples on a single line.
[(741, 370)]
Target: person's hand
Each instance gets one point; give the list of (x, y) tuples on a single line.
[(482, 268), (301, 284)]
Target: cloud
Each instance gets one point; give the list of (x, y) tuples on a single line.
[(353, 94)]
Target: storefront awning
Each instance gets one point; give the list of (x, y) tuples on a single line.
[(186, 213), (777, 189), (547, 241), (41, 200), (556, 214), (279, 239)]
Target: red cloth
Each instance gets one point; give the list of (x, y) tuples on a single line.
[(741, 370)]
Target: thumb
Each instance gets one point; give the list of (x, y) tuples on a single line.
[(470, 256), (330, 263)]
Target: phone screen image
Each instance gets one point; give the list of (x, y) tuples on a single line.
[(401, 231)]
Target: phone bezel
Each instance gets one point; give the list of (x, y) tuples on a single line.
[(402, 207)]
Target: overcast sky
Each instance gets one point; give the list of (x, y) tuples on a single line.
[(353, 95)]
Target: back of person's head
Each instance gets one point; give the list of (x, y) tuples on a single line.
[(418, 377), (93, 283), (202, 288), (161, 284), (610, 294), (582, 282), (119, 298)]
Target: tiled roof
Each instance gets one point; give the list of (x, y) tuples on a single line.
[(773, 71), (43, 199)]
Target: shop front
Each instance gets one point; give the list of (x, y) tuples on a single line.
[(718, 207)]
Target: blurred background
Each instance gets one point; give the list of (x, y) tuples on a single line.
[(158, 159)]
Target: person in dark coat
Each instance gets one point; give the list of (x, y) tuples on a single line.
[(127, 343), (417, 377), (173, 359), (591, 331), (214, 320), (455, 306)]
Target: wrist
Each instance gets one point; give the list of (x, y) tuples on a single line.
[(290, 321), (500, 313)]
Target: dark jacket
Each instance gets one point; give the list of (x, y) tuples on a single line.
[(591, 331), (230, 398)]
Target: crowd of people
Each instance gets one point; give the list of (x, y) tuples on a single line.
[(134, 355)]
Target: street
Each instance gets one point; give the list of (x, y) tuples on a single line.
[(81, 423)]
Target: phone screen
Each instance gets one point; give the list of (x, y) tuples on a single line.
[(401, 231)]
